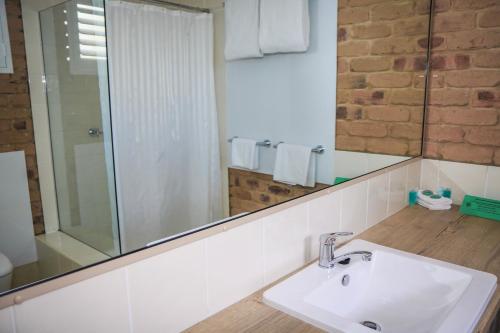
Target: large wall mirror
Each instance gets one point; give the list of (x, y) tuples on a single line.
[(154, 119)]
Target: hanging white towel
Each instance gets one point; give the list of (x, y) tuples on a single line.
[(295, 164), (244, 153), (284, 26), (242, 29)]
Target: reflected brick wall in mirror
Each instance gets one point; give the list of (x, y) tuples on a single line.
[(464, 100), (250, 191), (380, 83), (16, 125)]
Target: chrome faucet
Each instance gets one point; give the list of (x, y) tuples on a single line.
[(327, 257)]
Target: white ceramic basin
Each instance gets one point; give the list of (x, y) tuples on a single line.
[(401, 292)]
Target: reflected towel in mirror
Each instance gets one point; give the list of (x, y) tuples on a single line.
[(242, 29), (284, 26), (244, 153), (295, 164)]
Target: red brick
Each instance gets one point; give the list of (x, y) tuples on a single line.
[(431, 150), (16, 137), (437, 43), (390, 80), (407, 97), (406, 131), (343, 142), (370, 64), (351, 81), (370, 129), (496, 159), (473, 78), (343, 96), (436, 81), (483, 136), (476, 39), (357, 3), (487, 59), (415, 147), (412, 27), (388, 113), (353, 15), (448, 22), (443, 133), (486, 98), (423, 6), (396, 45), (342, 65), (371, 31), (370, 97), (490, 18), (341, 34), (353, 49), (467, 153), (432, 115), (392, 11), (474, 4), (387, 146), (465, 116), (449, 97)]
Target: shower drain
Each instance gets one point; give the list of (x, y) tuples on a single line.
[(372, 325)]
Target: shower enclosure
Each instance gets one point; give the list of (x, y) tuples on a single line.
[(135, 157)]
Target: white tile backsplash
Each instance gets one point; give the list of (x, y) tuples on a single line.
[(235, 263), (285, 242), (492, 186), (397, 190), (176, 289), (378, 194), (7, 320), (354, 205), (98, 304), (461, 178), (324, 217), (168, 291)]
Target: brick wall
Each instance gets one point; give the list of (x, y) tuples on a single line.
[(463, 121), (380, 87), (16, 125), (250, 191)]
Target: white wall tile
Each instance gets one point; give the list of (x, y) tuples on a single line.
[(462, 178), (414, 175), (429, 174), (354, 201), (168, 291), (492, 188), (235, 265), (324, 217), (397, 192), (7, 320), (285, 242), (378, 196), (98, 304)]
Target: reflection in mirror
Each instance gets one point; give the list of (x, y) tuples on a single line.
[(152, 119)]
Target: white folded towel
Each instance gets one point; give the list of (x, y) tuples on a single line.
[(284, 26), (295, 164), (244, 153), (433, 207), (242, 29)]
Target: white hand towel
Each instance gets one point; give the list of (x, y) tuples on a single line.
[(242, 29), (244, 153), (284, 26), (433, 207), (295, 164)]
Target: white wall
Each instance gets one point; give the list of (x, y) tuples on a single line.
[(176, 289), (462, 179), (289, 97)]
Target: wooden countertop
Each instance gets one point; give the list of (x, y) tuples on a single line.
[(445, 235)]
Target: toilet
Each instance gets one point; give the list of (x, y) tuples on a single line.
[(5, 273)]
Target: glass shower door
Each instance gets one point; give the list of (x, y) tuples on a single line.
[(74, 52)]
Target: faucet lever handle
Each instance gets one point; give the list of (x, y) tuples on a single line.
[(332, 237)]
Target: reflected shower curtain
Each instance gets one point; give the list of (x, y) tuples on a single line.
[(164, 120)]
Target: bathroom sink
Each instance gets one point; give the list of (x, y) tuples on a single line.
[(394, 292)]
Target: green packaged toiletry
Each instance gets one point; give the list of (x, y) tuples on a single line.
[(482, 207), (339, 180), (412, 197)]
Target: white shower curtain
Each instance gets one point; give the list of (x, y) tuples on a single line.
[(164, 120)]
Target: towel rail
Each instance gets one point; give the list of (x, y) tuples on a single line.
[(265, 143), (319, 149)]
